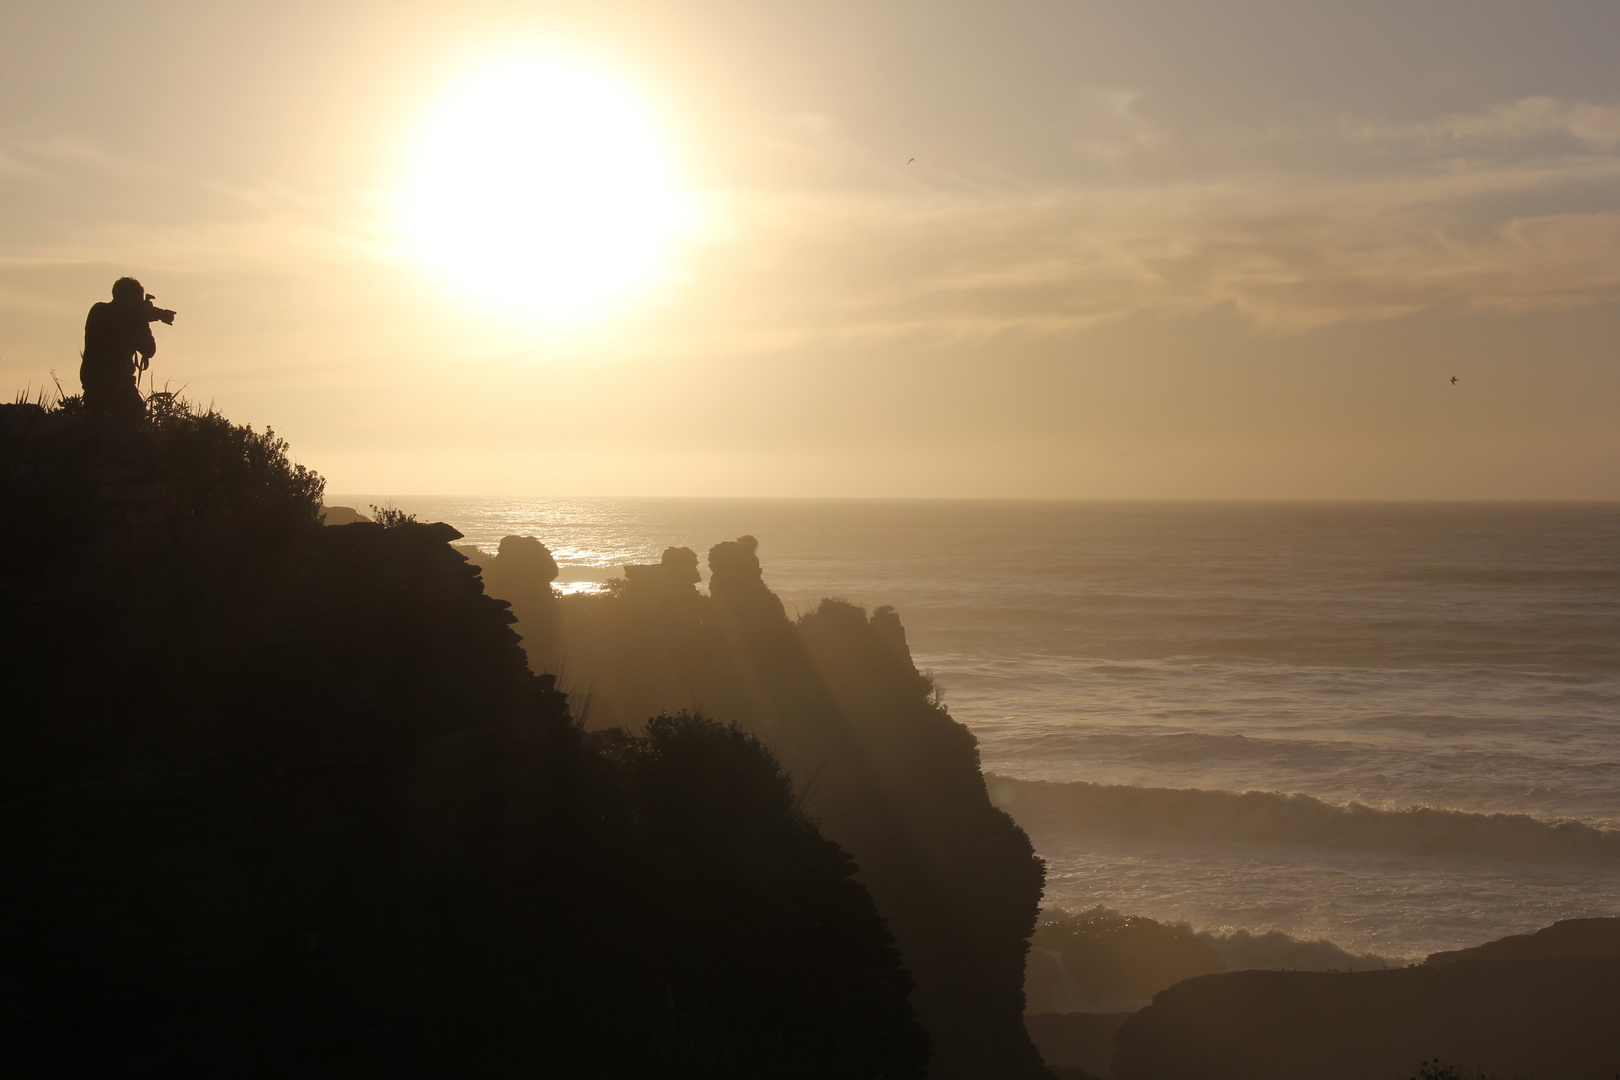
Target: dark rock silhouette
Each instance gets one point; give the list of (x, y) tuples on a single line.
[(118, 343), (737, 583), (299, 808), (1591, 938), (1530, 1018), (958, 880), (1099, 957), (341, 515), (877, 762), (520, 573), (673, 576), (522, 562)]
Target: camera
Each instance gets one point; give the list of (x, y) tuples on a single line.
[(157, 314)]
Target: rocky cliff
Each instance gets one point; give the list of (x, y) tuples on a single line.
[(877, 761), (1547, 1019)]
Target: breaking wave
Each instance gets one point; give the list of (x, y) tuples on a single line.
[(1274, 817), (1244, 950)]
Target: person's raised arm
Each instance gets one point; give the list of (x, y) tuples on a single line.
[(147, 344)]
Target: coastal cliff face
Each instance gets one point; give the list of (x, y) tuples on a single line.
[(286, 800), (876, 760), (1594, 938), (1318, 1019), (1546, 1018)]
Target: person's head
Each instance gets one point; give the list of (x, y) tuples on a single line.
[(126, 290)]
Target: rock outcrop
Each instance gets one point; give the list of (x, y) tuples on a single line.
[(1546, 1018), (675, 573), (876, 760), (1592, 938), (341, 515)]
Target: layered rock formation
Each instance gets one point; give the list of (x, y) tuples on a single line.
[(877, 762)]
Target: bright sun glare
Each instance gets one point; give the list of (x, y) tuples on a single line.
[(543, 188)]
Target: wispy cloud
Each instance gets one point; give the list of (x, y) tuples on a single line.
[(124, 211), (1596, 126), (1289, 250), (14, 166), (954, 269), (1108, 125)]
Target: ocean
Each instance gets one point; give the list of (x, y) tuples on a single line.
[(1394, 727)]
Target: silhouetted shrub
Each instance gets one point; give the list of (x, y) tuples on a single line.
[(226, 477), (766, 930), (1439, 1070), (187, 477), (391, 517)]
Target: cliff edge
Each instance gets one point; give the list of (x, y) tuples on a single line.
[(284, 799)]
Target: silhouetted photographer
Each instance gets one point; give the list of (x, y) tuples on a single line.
[(118, 346)]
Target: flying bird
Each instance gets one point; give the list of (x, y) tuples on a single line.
[(909, 162), (1454, 380)]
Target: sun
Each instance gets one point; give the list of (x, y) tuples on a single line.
[(543, 187)]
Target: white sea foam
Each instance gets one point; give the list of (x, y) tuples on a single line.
[(1241, 950), (1194, 816)]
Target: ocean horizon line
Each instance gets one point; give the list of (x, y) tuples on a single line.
[(998, 499)]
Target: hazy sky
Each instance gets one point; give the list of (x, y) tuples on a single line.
[(1144, 250)]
